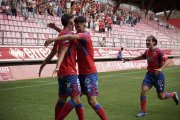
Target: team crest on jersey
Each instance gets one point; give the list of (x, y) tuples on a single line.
[(154, 53), (68, 85), (87, 81)]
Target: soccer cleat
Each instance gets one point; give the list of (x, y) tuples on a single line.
[(141, 114), (176, 98)]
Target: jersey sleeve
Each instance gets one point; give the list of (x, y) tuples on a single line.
[(162, 56), (84, 35), (144, 54)]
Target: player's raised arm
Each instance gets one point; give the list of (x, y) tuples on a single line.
[(63, 37), (53, 26)]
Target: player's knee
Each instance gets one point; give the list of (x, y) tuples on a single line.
[(77, 100), (143, 91), (161, 97), (92, 102)]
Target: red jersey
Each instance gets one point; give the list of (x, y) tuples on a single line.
[(68, 65), (155, 59), (85, 54)]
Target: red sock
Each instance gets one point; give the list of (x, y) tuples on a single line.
[(66, 109), (100, 111), (58, 107), (80, 111), (169, 95), (143, 103)]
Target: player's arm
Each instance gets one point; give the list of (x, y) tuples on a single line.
[(48, 59), (141, 57), (63, 37), (165, 63), (61, 55), (135, 58), (53, 26)]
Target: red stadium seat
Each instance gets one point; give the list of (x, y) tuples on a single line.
[(19, 23), (18, 35), (6, 22), (11, 28), (1, 16), (5, 17), (2, 28), (7, 28), (11, 22), (15, 23)]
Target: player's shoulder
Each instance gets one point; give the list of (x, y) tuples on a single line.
[(64, 32), (158, 50)]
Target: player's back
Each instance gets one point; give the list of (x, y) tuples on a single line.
[(85, 54), (68, 65)]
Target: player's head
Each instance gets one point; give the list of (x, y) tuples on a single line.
[(151, 41), (122, 48), (67, 21), (80, 23)]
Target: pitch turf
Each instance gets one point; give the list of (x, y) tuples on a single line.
[(119, 95)]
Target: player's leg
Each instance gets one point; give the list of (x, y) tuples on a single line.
[(146, 86), (89, 85), (73, 90), (68, 107), (59, 105), (160, 84), (97, 107), (79, 108), (62, 98)]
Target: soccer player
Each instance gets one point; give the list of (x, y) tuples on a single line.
[(87, 70), (69, 84), (154, 77)]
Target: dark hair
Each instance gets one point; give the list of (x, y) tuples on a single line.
[(65, 19), (79, 19), (122, 48), (153, 39)]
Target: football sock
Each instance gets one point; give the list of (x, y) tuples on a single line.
[(80, 111), (66, 109), (143, 103), (169, 95), (100, 111), (58, 108)]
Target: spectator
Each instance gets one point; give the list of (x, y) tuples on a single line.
[(6, 7), (23, 6), (13, 5), (120, 54), (103, 42)]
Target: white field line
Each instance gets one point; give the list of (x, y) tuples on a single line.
[(114, 75)]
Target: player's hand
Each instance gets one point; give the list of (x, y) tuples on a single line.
[(40, 70), (158, 71), (51, 25), (55, 72), (47, 42)]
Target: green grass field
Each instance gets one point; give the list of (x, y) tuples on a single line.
[(118, 94)]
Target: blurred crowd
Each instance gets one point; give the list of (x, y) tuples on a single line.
[(100, 16)]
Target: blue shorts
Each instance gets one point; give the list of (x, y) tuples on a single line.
[(158, 81), (89, 84), (69, 85)]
